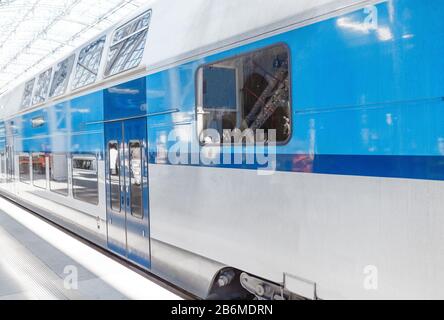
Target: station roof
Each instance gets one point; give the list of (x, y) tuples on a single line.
[(36, 33)]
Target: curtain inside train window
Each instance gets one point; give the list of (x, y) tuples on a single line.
[(128, 44), (41, 90), (220, 88), (61, 77), (245, 94), (27, 94), (88, 64)]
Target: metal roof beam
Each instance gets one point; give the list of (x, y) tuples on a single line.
[(42, 33), (36, 33)]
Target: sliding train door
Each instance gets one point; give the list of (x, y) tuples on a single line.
[(127, 190)]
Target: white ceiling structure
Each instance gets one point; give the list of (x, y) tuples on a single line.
[(36, 33)]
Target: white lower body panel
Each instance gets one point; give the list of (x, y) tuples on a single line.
[(354, 237)]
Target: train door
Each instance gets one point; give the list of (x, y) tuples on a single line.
[(127, 190)]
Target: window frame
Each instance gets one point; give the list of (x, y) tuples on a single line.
[(111, 142), (141, 186), (2, 167), (50, 169), (107, 69), (38, 154), (22, 105), (199, 86), (46, 97), (25, 154), (96, 171), (113, 43), (73, 85), (67, 79)]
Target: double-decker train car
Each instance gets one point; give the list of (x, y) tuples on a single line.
[(247, 149)]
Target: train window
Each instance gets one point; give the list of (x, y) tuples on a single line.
[(24, 170), (135, 154), (58, 173), (27, 94), (41, 90), (84, 179), (61, 77), (128, 45), (2, 167), (39, 170), (10, 163), (38, 122), (88, 64), (245, 94), (114, 174)]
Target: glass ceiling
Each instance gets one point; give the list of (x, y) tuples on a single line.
[(36, 33)]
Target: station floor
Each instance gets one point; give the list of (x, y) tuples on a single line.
[(41, 262)]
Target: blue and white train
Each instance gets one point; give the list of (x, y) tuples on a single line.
[(111, 142)]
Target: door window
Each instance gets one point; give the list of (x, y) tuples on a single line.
[(135, 161), (114, 175)]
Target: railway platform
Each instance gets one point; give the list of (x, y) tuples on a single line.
[(38, 261)]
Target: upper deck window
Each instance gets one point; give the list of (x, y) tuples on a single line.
[(41, 90), (88, 64), (61, 77), (27, 94), (239, 96), (128, 44)]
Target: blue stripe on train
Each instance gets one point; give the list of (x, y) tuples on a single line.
[(407, 167)]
